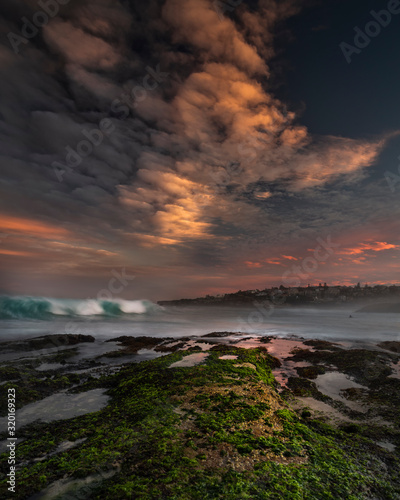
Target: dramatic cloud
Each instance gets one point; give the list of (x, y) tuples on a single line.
[(375, 246), (32, 227), (200, 170)]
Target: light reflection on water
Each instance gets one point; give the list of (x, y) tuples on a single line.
[(176, 322), (60, 406)]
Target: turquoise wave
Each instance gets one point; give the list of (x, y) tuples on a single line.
[(46, 308)]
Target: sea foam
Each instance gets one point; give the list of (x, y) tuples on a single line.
[(44, 307)]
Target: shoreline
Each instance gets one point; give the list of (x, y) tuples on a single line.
[(352, 386)]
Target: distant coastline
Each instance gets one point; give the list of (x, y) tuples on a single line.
[(377, 298)]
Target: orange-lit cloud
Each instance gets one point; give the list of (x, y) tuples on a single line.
[(253, 265), (149, 240), (222, 114), (18, 253), (172, 206), (196, 22), (377, 246), (32, 227), (332, 157), (274, 262), (289, 257), (262, 196), (79, 248), (360, 260), (162, 189)]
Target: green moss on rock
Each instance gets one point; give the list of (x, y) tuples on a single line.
[(218, 430)]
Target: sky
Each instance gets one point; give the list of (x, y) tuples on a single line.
[(189, 147)]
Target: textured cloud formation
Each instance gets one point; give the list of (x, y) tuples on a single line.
[(201, 164), (375, 246)]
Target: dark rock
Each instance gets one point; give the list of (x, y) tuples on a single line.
[(302, 387), (321, 344), (390, 346), (134, 344), (362, 364), (310, 372), (46, 342), (218, 334)]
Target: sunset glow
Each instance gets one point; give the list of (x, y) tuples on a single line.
[(194, 159)]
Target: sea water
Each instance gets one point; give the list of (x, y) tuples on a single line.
[(25, 317)]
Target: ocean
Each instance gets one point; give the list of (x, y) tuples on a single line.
[(24, 317)]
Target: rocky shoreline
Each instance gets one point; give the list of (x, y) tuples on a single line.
[(225, 415)]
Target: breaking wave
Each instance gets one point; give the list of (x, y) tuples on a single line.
[(44, 308)]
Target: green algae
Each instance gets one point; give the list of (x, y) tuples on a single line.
[(310, 372), (214, 431)]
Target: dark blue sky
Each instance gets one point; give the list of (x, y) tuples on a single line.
[(352, 100)]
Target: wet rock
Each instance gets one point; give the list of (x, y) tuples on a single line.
[(134, 344), (170, 348), (46, 342), (390, 346), (218, 334), (265, 339), (362, 364), (322, 344), (302, 387), (310, 372)]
